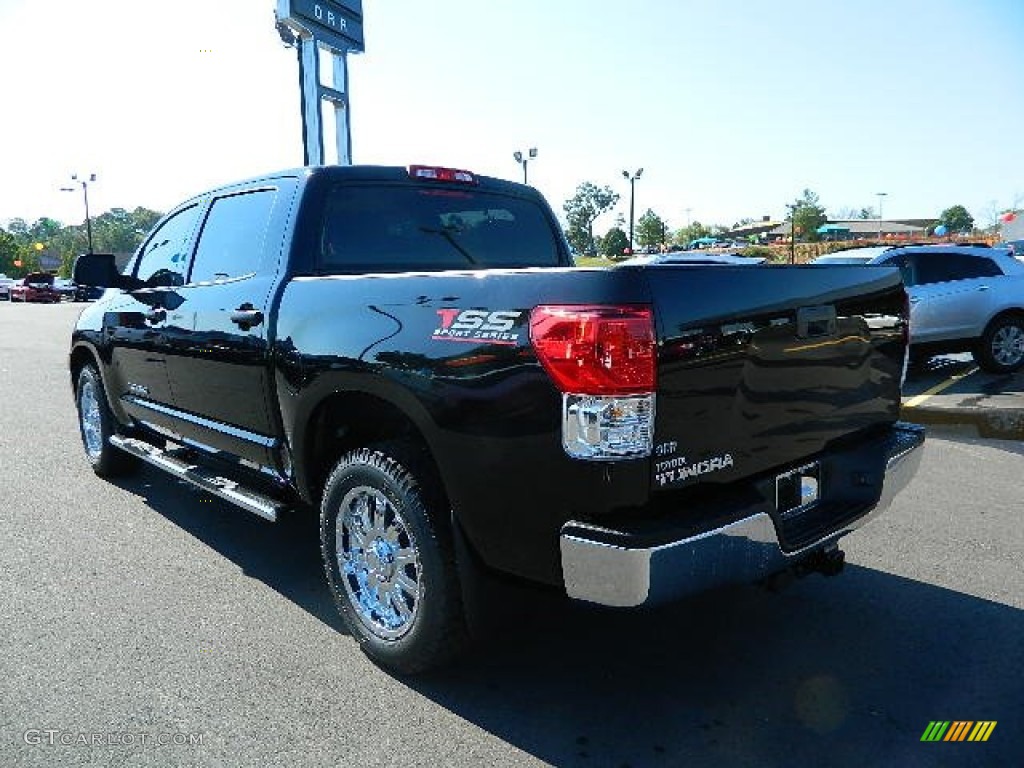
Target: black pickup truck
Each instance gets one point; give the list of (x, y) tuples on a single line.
[(412, 352)]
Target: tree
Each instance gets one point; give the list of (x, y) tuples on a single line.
[(116, 231), (615, 244), (8, 253), (651, 229), (848, 213), (581, 210), (121, 231), (28, 255), (44, 230), (687, 235), (19, 229), (807, 214), (69, 242), (957, 219)]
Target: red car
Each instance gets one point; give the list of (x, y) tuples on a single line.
[(37, 286)]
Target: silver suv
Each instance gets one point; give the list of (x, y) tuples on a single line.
[(963, 299)]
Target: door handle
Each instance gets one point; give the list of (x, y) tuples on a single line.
[(246, 316), (155, 316), (914, 301), (982, 287)]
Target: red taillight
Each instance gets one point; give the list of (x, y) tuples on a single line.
[(433, 173), (596, 350)]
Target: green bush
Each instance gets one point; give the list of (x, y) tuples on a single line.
[(760, 251)]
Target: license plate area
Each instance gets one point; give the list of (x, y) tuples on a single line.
[(798, 490)]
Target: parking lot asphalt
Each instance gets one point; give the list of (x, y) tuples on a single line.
[(143, 609)]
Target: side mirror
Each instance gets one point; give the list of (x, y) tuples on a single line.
[(99, 270), (96, 269)]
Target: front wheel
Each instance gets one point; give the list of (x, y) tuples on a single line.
[(97, 425), (1001, 347), (389, 557)]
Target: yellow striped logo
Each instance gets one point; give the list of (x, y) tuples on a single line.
[(959, 730)]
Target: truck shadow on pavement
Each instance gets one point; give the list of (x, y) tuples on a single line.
[(840, 672), (844, 671), (284, 555)]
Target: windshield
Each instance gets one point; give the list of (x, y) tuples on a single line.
[(842, 260), (406, 228)]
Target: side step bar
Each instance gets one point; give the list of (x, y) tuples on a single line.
[(229, 490)]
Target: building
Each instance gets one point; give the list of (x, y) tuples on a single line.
[(862, 229), (754, 229)]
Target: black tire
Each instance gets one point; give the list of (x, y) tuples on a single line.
[(1001, 347), (96, 424), (412, 619)]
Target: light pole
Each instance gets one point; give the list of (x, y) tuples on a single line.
[(632, 196), (524, 159), (85, 196), (792, 232), (880, 195)]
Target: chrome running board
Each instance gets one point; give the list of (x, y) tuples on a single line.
[(222, 487)]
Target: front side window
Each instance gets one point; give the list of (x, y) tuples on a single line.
[(405, 228), (164, 257), (231, 243)]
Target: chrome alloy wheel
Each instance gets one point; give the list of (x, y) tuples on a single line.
[(89, 419), (1008, 345), (379, 562)]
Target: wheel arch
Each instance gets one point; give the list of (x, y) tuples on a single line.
[(345, 420), (81, 355), (1017, 312), (983, 350)]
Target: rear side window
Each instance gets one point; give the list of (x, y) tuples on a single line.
[(231, 243), (946, 267), (382, 228), (906, 267), (164, 258)]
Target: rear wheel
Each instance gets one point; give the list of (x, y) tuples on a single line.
[(97, 425), (1001, 348), (390, 561)]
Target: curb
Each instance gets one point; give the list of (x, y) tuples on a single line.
[(1000, 423)]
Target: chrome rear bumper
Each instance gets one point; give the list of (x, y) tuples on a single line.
[(745, 550)]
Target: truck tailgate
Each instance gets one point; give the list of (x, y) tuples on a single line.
[(761, 367)]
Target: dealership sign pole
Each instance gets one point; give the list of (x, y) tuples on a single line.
[(337, 27)]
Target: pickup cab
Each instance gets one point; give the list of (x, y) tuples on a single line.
[(411, 353)]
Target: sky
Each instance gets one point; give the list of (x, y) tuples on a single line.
[(731, 107)]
